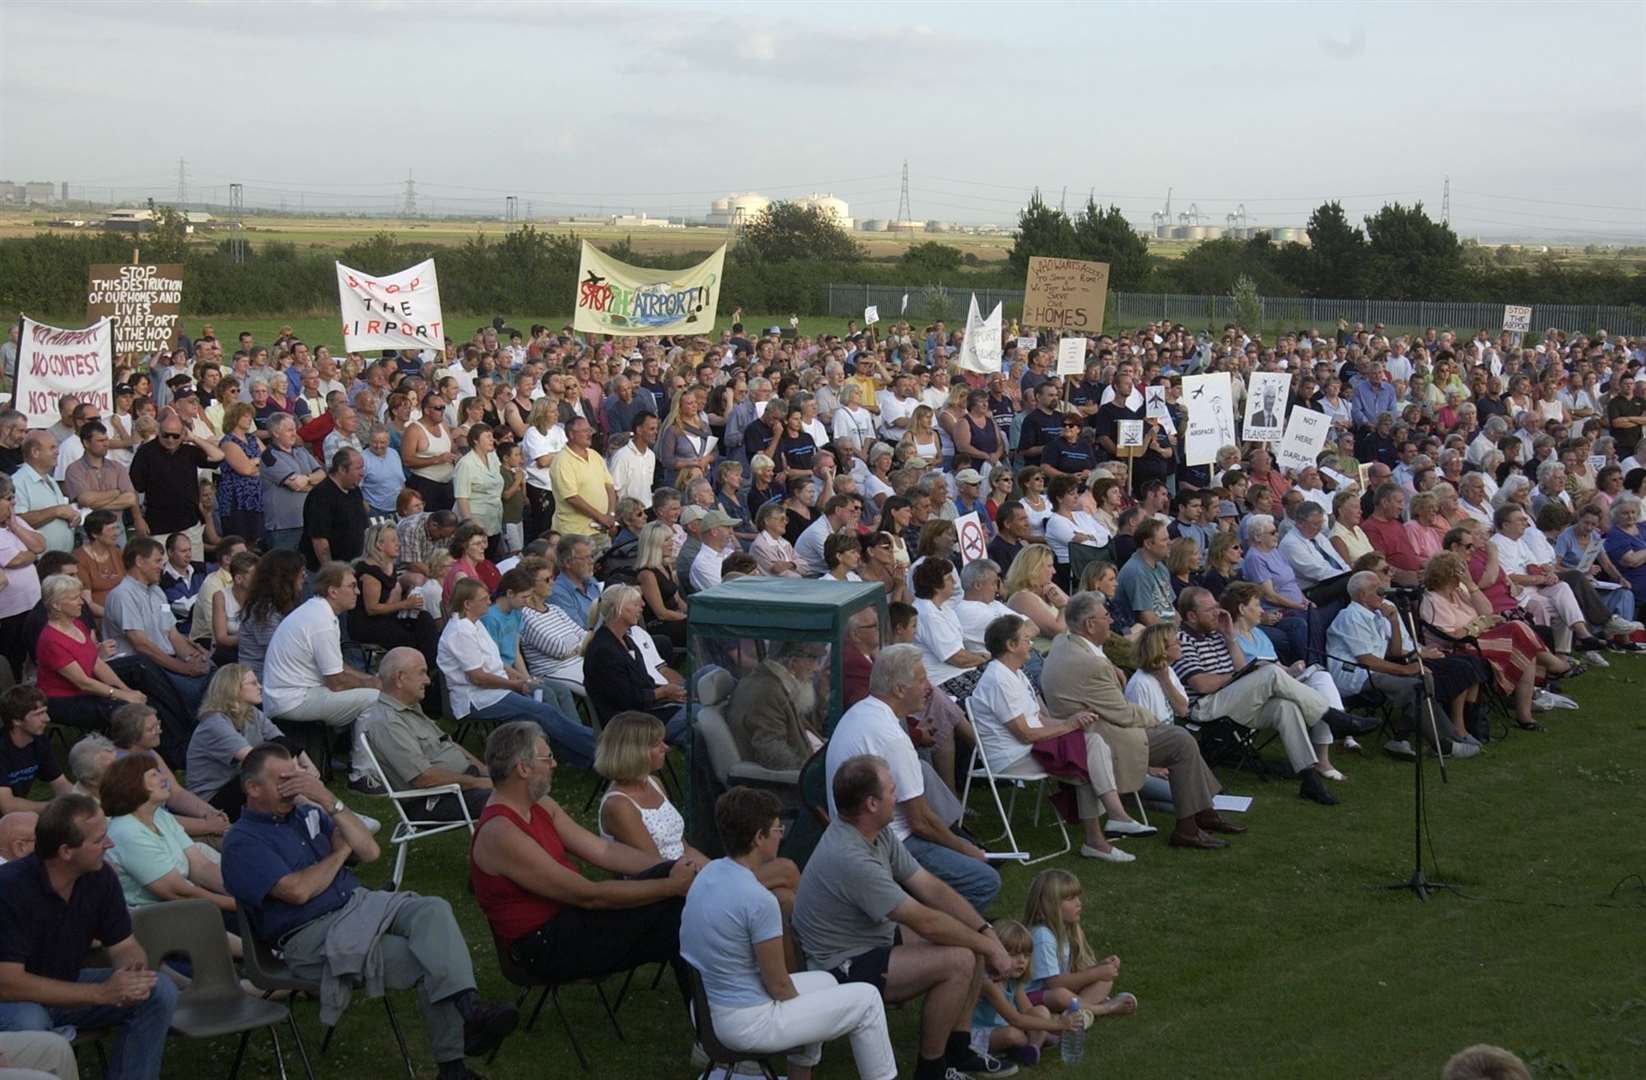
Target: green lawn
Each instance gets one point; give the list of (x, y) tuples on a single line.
[(1279, 957)]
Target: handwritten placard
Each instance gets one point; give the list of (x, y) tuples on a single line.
[(142, 301), (1066, 294)]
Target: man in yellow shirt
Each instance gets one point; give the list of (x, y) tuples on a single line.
[(584, 494), (865, 377)]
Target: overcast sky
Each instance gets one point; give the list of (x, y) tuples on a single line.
[(663, 107)]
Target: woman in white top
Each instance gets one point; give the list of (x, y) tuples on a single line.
[(852, 421), (544, 438), (1154, 685), (842, 555), (426, 452), (950, 666), (1031, 487), (1066, 524), (877, 486), (922, 435), (773, 554)]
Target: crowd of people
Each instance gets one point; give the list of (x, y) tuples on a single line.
[(259, 546)]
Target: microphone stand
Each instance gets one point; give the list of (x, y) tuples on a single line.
[(1419, 883)]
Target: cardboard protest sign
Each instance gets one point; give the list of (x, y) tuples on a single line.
[(394, 311), (1071, 356), (974, 539), (1517, 318), (871, 315), (1305, 438), (632, 301), (142, 301), (1066, 294), (1129, 433), (1026, 343), (1266, 405), (52, 362), (1210, 401), (981, 350)]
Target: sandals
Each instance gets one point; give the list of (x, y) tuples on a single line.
[(1531, 726)]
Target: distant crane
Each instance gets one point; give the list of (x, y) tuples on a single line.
[(1190, 216), (1237, 220)]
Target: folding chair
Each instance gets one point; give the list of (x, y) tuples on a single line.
[(270, 974), (411, 827), (517, 975), (213, 1004), (980, 769), (718, 1052)]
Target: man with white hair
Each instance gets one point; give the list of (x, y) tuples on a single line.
[(1312, 558), (89, 759), (412, 750), (1484, 443), (898, 687)]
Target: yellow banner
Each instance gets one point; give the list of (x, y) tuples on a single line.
[(632, 301)]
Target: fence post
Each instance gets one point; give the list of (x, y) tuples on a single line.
[(831, 299)]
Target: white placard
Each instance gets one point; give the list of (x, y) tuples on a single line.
[(904, 310), (980, 350), (1305, 438), (1209, 399), (1154, 403), (1597, 462), (1071, 356), (1266, 405), (394, 311), (1128, 433), (52, 362), (974, 538), (871, 315), (1517, 318)]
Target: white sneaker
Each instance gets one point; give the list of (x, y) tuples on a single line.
[(1400, 748), (372, 824), (1464, 750), (1114, 854), (1561, 701), (1619, 625), (1596, 659)]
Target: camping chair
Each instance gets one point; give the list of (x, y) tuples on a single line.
[(213, 1004), (718, 1052), (517, 974), (408, 805), (980, 769), (270, 974)]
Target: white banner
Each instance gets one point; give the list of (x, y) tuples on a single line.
[(394, 311), (1266, 405), (52, 362), (871, 315), (1210, 401), (974, 539), (1071, 356), (981, 350), (1305, 438)]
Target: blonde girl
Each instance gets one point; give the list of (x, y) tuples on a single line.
[(1064, 967), (1016, 1026)]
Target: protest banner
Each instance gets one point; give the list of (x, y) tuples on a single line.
[(1211, 417), (1066, 294), (1130, 433), (1071, 356), (616, 298), (1266, 405), (974, 539), (1517, 318), (871, 315), (143, 301), (981, 350), (904, 310), (1305, 437), (52, 362), (391, 311)]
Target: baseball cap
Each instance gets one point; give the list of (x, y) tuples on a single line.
[(968, 476), (916, 462), (692, 513), (716, 519)]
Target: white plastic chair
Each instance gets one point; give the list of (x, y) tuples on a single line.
[(410, 827), (979, 769)]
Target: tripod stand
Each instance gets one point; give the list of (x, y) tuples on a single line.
[(1419, 883)]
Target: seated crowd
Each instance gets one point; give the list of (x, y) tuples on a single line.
[(251, 563)]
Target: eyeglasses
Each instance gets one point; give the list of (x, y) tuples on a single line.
[(171, 434)]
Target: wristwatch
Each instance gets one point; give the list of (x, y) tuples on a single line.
[(337, 807)]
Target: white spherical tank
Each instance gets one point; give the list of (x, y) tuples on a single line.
[(830, 205), (737, 208)]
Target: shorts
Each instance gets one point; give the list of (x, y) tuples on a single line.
[(869, 967)]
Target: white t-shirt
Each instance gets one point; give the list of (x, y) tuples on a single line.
[(306, 647), (1001, 695), (937, 632), (893, 409), (975, 617), (535, 445), (1144, 689), (1512, 556), (464, 646), (632, 471), (705, 569), (870, 727), (856, 424)]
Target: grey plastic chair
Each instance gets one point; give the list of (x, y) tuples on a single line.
[(214, 1003)]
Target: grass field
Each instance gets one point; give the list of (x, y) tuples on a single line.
[(1278, 957)]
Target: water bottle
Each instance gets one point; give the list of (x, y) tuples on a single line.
[(1073, 1043)]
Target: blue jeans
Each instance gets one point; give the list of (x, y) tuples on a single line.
[(1621, 602), (1290, 637), (140, 1043), (283, 539), (573, 743), (191, 688), (976, 881)]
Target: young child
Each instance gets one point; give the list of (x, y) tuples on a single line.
[(514, 497), (1063, 967), (1016, 1027)]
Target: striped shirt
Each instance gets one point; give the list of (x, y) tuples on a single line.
[(1208, 655), (548, 639)]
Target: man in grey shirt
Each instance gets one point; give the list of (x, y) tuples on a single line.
[(860, 887), (289, 472), (412, 750)]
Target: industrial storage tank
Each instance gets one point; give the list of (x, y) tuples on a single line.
[(874, 225), (1211, 232), (735, 208), (939, 226), (1288, 235), (830, 205), (1163, 232)]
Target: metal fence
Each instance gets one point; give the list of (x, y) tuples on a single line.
[(929, 302)]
